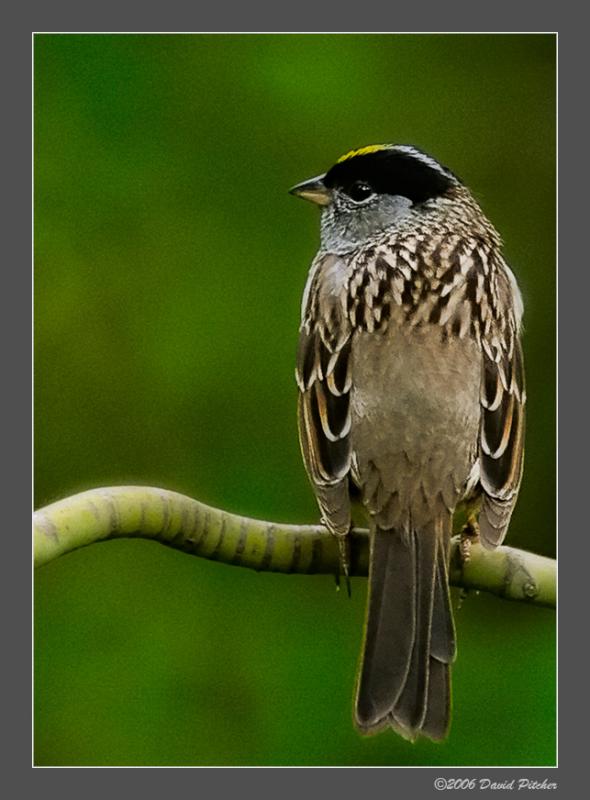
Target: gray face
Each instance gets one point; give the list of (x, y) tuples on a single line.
[(347, 224)]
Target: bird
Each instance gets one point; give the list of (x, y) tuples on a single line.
[(411, 394)]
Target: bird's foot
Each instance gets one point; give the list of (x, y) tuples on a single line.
[(469, 535)]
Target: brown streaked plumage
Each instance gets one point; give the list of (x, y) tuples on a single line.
[(411, 385)]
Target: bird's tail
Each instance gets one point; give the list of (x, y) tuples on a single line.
[(404, 678)]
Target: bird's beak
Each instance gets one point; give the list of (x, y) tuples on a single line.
[(314, 190)]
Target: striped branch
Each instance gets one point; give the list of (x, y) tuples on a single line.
[(188, 525)]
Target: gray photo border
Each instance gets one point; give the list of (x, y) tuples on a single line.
[(572, 664)]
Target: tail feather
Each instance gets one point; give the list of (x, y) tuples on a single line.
[(404, 679), (410, 708), (438, 713), (442, 637), (390, 618)]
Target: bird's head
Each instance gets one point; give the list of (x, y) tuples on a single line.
[(374, 189)]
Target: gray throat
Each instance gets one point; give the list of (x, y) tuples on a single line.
[(345, 228)]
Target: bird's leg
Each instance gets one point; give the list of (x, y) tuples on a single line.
[(344, 561), (469, 534)]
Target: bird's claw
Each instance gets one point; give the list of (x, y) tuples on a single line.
[(468, 536), (344, 563)]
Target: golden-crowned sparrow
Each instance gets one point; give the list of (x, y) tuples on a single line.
[(411, 387)]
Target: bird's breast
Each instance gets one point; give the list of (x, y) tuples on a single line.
[(415, 411)]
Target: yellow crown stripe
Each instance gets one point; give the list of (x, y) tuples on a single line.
[(362, 151)]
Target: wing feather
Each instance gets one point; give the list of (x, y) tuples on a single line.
[(502, 428), (323, 377)]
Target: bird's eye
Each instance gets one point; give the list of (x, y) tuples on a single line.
[(359, 191)]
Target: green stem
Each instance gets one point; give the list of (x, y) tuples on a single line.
[(186, 524)]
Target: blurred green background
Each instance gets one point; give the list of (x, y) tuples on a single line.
[(170, 263)]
